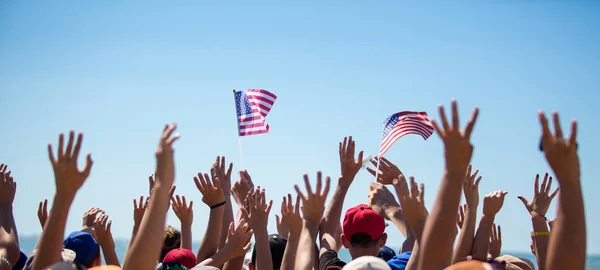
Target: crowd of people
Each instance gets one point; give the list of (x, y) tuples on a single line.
[(310, 233)]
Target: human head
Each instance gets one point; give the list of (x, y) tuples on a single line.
[(363, 231), (367, 263), (87, 250), (277, 245), (386, 253), (172, 241), (514, 263), (180, 256)]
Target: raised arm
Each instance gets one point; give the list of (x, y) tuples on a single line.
[(214, 198), (492, 203), (567, 248), (312, 213), (415, 213), (290, 216), (257, 216), (145, 251), (388, 172), (239, 192), (102, 226), (333, 213), (467, 231), (218, 171), (185, 214), (9, 239), (438, 235), (69, 180), (537, 208), (237, 244)]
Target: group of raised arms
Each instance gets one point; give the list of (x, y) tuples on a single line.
[(311, 232)]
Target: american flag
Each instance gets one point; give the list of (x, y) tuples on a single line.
[(252, 107), (404, 123)]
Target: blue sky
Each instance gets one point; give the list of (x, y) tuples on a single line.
[(118, 71)]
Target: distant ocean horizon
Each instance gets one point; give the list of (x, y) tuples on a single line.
[(29, 242)]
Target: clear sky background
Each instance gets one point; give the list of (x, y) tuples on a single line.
[(118, 71)]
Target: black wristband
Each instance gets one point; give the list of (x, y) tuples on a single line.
[(218, 205)]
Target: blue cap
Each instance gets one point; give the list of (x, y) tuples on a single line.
[(21, 262), (399, 261), (84, 245), (386, 253)]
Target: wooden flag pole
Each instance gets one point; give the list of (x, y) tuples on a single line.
[(238, 126)]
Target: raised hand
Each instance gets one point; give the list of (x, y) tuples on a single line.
[(457, 145), (495, 246), (43, 213), (257, 213), (492, 203), (183, 211), (412, 202), (102, 227), (541, 197), (460, 220), (387, 170), (381, 199), (241, 188), (89, 217), (218, 171), (238, 239), (349, 165), (8, 187), (68, 177), (165, 165), (471, 188), (290, 221), (313, 203), (212, 193), (139, 209), (561, 153)]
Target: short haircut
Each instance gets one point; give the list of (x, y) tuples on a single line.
[(171, 242), (363, 240)]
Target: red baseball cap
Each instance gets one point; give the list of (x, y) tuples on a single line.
[(182, 256), (362, 219)]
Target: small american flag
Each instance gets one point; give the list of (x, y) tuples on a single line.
[(252, 107), (404, 123)]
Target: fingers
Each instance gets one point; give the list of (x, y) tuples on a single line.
[(437, 128), (277, 219), (360, 158), (371, 171), (573, 138), (554, 193), (499, 233), (421, 192), (77, 146), (327, 185), (268, 210), (557, 128), (51, 155), (414, 190), (307, 183), (471, 123), (61, 145), (351, 147), (548, 186), (297, 206), (455, 124), (68, 151), (319, 183), (544, 182), (524, 201), (537, 184), (477, 182), (546, 134), (300, 195), (289, 202), (443, 118), (88, 166)]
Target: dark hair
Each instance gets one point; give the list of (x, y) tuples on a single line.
[(363, 240), (277, 246), (171, 242), (88, 264)]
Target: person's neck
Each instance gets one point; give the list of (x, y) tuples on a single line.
[(359, 252)]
